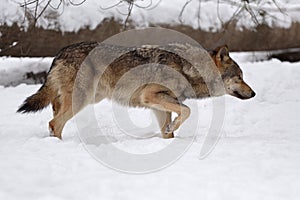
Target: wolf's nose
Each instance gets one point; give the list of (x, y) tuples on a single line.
[(253, 94)]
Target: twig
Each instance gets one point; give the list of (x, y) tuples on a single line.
[(76, 4), (199, 14), (182, 10), (59, 4), (109, 7), (26, 4), (218, 13), (38, 4), (130, 7), (144, 7), (35, 12), (250, 11), (276, 4), (48, 3), (158, 2)]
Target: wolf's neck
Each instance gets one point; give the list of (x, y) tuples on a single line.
[(197, 91), (202, 90)]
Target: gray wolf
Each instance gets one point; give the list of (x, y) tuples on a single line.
[(58, 87)]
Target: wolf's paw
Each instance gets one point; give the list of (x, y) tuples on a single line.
[(170, 128), (168, 135), (51, 132), (169, 131)]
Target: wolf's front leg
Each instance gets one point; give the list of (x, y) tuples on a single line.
[(164, 119), (153, 98), (183, 114)]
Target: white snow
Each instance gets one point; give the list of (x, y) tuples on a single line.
[(210, 16), (13, 70), (258, 156)]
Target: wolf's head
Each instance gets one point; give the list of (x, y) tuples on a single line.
[(231, 74)]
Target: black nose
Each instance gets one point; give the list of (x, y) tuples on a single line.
[(253, 94)]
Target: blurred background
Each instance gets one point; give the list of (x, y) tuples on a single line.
[(41, 27)]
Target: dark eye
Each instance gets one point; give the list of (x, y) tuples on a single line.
[(238, 80)]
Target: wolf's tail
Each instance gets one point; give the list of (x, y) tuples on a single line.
[(37, 101)]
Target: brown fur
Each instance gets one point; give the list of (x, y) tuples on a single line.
[(163, 93)]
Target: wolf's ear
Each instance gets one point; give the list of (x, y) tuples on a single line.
[(222, 53)]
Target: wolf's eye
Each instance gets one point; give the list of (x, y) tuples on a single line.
[(238, 80)]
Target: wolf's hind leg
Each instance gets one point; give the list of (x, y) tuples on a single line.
[(63, 111), (56, 105), (61, 116), (163, 119), (57, 124)]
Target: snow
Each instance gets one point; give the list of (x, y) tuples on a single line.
[(90, 13), (257, 157), (13, 70)]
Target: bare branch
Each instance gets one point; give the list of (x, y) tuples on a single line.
[(130, 7), (34, 13), (76, 4), (250, 11), (218, 13), (276, 4), (25, 11), (48, 3), (199, 14), (112, 6), (182, 10), (155, 6), (144, 7), (27, 4), (57, 7)]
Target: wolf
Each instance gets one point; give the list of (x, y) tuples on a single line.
[(59, 85)]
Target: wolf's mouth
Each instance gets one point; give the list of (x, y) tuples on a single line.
[(238, 95)]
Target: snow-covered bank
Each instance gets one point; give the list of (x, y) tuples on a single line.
[(258, 156), (13, 71), (207, 15)]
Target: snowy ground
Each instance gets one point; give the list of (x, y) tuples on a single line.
[(258, 156)]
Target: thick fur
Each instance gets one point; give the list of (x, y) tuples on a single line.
[(37, 101), (60, 82)]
